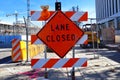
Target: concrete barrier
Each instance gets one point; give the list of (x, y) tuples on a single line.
[(33, 50)]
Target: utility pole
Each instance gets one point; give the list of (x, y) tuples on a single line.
[(27, 25)]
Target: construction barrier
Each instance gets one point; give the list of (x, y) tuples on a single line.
[(16, 51), (58, 63), (33, 50), (73, 15), (35, 40), (19, 51), (83, 40), (23, 50)]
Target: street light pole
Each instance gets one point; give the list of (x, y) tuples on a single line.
[(28, 19)]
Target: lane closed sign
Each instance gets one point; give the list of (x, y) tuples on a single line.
[(60, 34)]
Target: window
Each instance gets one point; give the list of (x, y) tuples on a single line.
[(116, 3), (111, 24), (118, 23), (110, 7), (113, 7), (103, 25)]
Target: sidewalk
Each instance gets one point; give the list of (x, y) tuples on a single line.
[(5, 52)]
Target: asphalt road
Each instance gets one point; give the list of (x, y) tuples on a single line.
[(102, 64), (6, 60), (5, 55)]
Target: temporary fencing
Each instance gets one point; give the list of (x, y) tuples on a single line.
[(6, 40)]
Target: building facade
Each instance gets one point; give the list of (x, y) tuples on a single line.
[(108, 16), (19, 29)]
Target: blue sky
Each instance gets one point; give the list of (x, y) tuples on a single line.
[(10, 6)]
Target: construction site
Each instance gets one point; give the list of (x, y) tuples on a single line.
[(17, 29), (67, 45)]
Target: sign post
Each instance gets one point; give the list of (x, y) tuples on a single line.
[(46, 73), (73, 70)]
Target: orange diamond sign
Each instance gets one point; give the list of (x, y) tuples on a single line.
[(60, 34)]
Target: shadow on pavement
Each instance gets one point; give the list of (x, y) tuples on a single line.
[(59, 75), (28, 75), (6, 60), (113, 55)]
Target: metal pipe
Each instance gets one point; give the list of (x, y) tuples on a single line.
[(92, 37), (98, 39), (28, 20), (46, 73), (73, 69)]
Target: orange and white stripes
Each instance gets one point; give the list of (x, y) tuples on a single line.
[(58, 63), (83, 40), (16, 51), (74, 16), (35, 40)]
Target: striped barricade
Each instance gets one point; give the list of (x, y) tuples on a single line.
[(83, 40), (74, 16), (16, 51), (58, 63), (35, 40)]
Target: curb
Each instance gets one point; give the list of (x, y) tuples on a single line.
[(113, 48)]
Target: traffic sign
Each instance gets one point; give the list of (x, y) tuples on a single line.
[(60, 34)]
